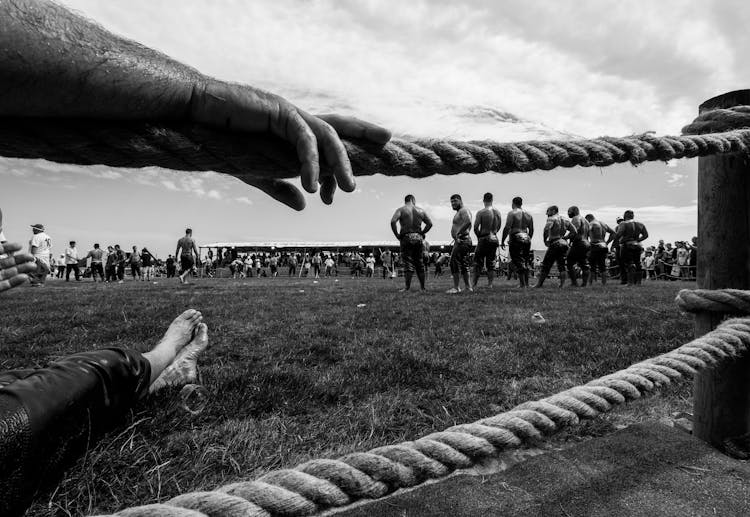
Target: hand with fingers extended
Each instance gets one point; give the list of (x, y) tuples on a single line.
[(240, 107), (13, 267), (56, 63)]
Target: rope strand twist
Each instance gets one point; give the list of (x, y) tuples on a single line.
[(726, 301), (189, 147)]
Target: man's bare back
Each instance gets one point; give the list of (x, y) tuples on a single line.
[(519, 221), (410, 218), (185, 245), (487, 222), (582, 227)]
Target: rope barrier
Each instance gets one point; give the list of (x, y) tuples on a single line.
[(319, 484), (188, 147), (718, 120), (728, 301)]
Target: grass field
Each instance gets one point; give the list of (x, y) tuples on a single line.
[(297, 370)]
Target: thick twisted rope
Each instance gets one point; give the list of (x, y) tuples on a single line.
[(189, 147), (319, 484), (719, 120), (726, 301)]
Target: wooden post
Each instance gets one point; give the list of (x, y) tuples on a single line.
[(721, 396)]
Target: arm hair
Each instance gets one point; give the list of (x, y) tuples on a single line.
[(55, 63)]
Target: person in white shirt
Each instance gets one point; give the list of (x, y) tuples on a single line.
[(71, 262), (249, 262), (370, 261), (648, 265), (329, 265), (59, 265), (40, 246), (238, 269)]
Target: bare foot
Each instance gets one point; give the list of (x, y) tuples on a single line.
[(181, 330), (179, 334), (184, 369)]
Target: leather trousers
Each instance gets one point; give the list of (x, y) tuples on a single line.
[(49, 415)]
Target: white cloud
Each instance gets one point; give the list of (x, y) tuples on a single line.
[(438, 212), (169, 185), (586, 68), (675, 179), (244, 199), (686, 215)]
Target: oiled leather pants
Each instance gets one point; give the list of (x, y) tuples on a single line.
[(48, 416)]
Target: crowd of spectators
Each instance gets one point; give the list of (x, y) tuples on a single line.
[(664, 261)]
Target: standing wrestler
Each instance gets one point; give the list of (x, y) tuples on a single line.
[(486, 226), (598, 231), (120, 263), (96, 256), (411, 236), (616, 248), (110, 270), (186, 253), (630, 234), (519, 226), (135, 264), (556, 231), (461, 244), (579, 247)]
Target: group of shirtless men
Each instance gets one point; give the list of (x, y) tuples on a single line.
[(578, 245)]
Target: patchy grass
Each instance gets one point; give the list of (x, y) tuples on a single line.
[(295, 375)]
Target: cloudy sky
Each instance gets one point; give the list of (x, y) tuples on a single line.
[(506, 70)]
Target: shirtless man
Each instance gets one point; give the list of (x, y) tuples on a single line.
[(411, 236), (135, 264), (486, 225), (556, 231), (519, 225), (187, 254), (461, 244), (96, 256), (616, 248), (630, 234), (598, 231), (579, 247)]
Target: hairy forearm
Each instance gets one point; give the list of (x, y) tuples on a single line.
[(54, 63)]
